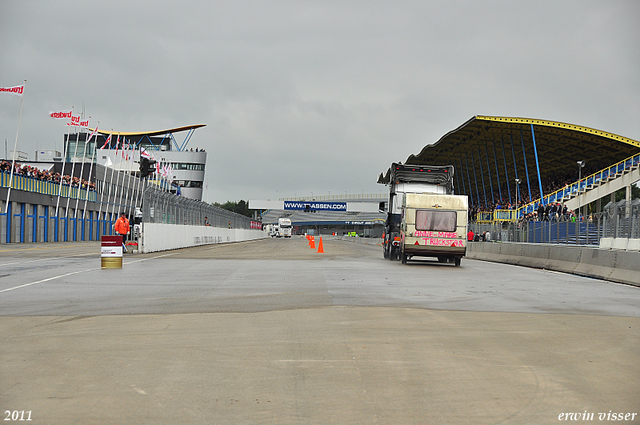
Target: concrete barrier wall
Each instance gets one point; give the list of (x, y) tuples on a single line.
[(161, 237), (620, 243), (367, 241), (613, 265)]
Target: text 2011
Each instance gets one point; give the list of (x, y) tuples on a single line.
[(17, 415)]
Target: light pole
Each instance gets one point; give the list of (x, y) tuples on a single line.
[(517, 192), (581, 165)]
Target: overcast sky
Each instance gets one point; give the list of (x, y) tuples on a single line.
[(302, 97)]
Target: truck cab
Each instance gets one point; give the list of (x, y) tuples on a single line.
[(284, 227)]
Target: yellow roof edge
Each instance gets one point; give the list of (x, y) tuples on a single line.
[(150, 133), (559, 124)]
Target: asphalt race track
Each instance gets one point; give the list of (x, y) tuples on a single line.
[(272, 332)]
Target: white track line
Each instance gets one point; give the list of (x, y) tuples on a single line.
[(79, 271)]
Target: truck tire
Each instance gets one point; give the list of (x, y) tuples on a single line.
[(404, 258), (457, 261)]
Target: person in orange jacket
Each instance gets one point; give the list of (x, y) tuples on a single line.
[(122, 228)]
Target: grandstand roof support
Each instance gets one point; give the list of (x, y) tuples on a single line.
[(515, 167), (506, 172), (495, 160), (186, 139), (464, 190), (526, 167), (535, 151), (484, 186), (475, 177), (486, 152)]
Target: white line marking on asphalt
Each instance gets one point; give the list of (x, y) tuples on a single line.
[(48, 279), (79, 271)]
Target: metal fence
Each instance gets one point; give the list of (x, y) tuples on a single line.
[(618, 220), (159, 206)]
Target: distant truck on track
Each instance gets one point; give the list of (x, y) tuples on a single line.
[(425, 218), (284, 227)]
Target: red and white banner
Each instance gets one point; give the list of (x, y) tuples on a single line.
[(93, 133), (17, 90), (108, 142), (77, 122), (145, 153), (60, 115)]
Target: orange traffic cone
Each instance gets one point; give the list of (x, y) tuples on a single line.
[(320, 250), (312, 244)]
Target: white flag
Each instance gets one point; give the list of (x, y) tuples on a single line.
[(60, 115), (17, 90)]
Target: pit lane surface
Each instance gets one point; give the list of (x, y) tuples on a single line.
[(272, 332)]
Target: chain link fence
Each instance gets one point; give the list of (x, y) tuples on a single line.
[(159, 206), (618, 220)]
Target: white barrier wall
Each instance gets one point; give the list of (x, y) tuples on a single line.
[(162, 237), (615, 265)]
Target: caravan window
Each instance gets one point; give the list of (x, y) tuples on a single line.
[(436, 221)]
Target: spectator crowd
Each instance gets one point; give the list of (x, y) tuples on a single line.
[(45, 175), (551, 212)]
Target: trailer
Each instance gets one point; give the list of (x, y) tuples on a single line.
[(424, 216)]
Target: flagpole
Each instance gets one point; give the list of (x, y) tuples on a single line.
[(64, 160), (126, 159), (15, 147), (113, 170), (126, 199), (73, 166), (105, 181), (84, 156), (117, 185), (86, 198)]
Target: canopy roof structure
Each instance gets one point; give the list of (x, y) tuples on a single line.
[(151, 133), (490, 152), (140, 136)]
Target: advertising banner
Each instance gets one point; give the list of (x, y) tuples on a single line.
[(315, 206)]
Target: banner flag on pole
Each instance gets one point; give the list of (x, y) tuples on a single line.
[(117, 143), (145, 153), (17, 90), (93, 133), (108, 142), (77, 121), (61, 115)]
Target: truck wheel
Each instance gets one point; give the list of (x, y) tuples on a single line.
[(404, 258), (385, 253), (457, 261)]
